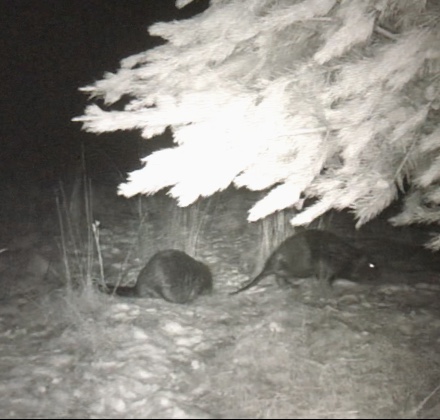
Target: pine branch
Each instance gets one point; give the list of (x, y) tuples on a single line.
[(324, 99)]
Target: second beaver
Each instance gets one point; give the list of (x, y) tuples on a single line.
[(316, 253)]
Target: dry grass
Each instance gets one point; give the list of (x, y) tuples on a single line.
[(79, 234), (274, 353), (300, 361), (164, 225)]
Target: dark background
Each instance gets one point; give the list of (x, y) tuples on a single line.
[(50, 48)]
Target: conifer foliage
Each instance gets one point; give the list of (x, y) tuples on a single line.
[(335, 100)]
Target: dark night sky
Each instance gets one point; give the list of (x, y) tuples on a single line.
[(50, 48)]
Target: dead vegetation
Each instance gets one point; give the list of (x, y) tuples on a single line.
[(358, 352)]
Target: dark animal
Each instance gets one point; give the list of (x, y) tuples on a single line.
[(172, 275), (316, 253)]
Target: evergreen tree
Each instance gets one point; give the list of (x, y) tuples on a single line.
[(336, 100)]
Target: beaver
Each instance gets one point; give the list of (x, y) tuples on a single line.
[(172, 275), (317, 253)]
